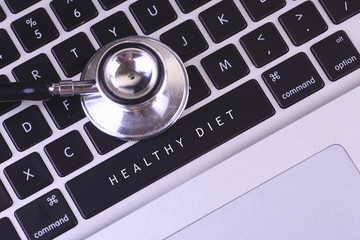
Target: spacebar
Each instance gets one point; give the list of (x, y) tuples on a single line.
[(193, 135)]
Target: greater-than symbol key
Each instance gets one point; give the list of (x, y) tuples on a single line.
[(303, 23)]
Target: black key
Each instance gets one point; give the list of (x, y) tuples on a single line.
[(225, 66), (187, 6), (7, 106), (16, 6), (103, 143), (109, 4), (8, 51), (264, 44), (46, 217), (34, 30), (152, 15), (27, 128), (68, 153), (262, 8), (2, 14), (5, 152), (5, 200), (341, 10), (147, 161), (65, 111), (222, 20), (303, 23), (337, 55), (73, 13), (37, 68), (198, 88), (73, 54), (185, 39), (114, 27), (293, 80), (28, 175), (7, 230)]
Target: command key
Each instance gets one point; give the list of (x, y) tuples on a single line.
[(46, 217), (293, 80)]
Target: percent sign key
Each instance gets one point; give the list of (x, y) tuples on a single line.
[(34, 30)]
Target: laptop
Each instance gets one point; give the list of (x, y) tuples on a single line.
[(267, 147)]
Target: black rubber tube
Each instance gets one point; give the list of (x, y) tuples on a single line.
[(34, 90)]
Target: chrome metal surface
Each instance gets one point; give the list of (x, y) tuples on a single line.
[(130, 73), (66, 88), (137, 69)]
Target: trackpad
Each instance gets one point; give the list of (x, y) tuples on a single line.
[(317, 199)]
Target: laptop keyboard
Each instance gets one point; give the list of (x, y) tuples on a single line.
[(176, 147), (47, 148)]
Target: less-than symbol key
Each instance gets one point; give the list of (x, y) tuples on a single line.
[(264, 44), (261, 38)]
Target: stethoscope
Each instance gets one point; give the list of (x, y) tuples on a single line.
[(133, 88)]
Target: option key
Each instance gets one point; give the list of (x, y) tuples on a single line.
[(337, 55)]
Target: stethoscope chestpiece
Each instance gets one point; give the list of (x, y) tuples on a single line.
[(142, 88)]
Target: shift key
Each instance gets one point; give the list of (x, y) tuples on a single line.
[(46, 217), (147, 161)]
